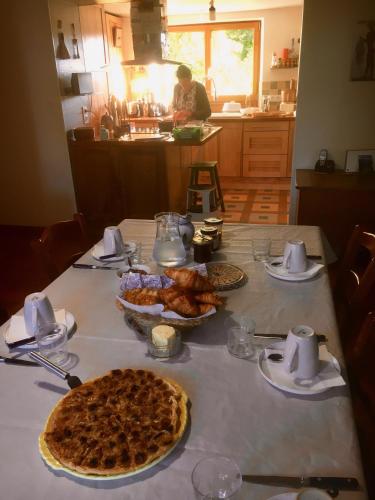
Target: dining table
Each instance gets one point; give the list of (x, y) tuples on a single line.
[(233, 410)]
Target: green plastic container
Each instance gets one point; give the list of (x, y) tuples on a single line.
[(187, 133)]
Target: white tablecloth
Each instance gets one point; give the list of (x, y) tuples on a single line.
[(234, 411)]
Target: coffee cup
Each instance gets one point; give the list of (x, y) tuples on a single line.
[(112, 241), (38, 313), (301, 353), (294, 259)]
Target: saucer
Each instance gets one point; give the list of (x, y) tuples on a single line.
[(69, 322), (291, 495), (98, 251), (281, 273), (329, 375)]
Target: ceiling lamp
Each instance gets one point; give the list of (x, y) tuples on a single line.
[(212, 11)]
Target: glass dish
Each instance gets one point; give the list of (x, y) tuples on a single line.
[(165, 351)]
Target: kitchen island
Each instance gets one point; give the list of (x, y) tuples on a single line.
[(135, 176)]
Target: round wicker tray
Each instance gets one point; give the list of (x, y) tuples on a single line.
[(225, 276)]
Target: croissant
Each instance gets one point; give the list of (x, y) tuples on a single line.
[(142, 296), (208, 298), (204, 308), (190, 279), (169, 294), (184, 305)]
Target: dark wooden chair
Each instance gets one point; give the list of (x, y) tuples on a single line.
[(360, 363), (355, 283), (60, 245)]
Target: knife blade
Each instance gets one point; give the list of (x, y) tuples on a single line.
[(283, 336), (325, 483), (108, 256), (16, 361), (92, 266)]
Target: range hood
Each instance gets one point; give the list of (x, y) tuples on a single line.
[(148, 21)]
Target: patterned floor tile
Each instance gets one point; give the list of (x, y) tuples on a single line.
[(231, 216), (265, 207), (236, 207), (264, 198), (259, 218), (235, 197)]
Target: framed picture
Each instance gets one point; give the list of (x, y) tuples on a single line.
[(360, 160), (117, 36), (363, 58)]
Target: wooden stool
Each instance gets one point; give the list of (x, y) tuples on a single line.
[(211, 168), (207, 192)]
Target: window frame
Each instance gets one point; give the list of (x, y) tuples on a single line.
[(207, 29)]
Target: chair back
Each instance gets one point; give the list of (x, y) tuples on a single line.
[(60, 245), (356, 278)]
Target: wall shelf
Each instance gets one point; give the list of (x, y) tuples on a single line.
[(284, 67)]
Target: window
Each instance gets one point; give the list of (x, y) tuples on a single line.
[(223, 56)]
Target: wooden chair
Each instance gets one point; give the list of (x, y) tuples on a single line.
[(60, 245), (355, 285), (360, 363)]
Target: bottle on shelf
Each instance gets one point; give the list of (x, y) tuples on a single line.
[(274, 60)]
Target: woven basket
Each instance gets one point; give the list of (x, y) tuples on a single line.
[(141, 322)]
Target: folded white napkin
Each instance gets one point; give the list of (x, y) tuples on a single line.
[(17, 328), (328, 376)]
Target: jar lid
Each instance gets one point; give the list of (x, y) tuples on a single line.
[(209, 230), (213, 221), (202, 240)]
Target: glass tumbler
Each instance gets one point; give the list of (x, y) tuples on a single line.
[(239, 342), (215, 478), (52, 344), (261, 249)]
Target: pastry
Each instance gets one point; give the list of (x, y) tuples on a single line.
[(116, 424)]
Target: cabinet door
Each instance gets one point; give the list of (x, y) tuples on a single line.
[(230, 149), (264, 165), (267, 142)]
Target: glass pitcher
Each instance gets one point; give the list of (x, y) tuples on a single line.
[(169, 249)]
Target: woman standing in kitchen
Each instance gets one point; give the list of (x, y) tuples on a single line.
[(190, 101)]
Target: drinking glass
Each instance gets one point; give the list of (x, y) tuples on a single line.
[(239, 342), (52, 343), (261, 249), (215, 478)]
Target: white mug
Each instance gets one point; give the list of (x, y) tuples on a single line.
[(301, 353), (112, 241), (38, 313), (294, 259)]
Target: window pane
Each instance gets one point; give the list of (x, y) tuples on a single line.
[(188, 47), (232, 55)]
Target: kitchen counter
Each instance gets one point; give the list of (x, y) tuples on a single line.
[(244, 118), (208, 134)]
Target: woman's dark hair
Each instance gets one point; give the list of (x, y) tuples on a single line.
[(183, 72)]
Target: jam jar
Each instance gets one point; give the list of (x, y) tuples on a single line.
[(202, 248), (213, 233), (215, 222)]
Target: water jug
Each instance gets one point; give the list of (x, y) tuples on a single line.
[(169, 249)]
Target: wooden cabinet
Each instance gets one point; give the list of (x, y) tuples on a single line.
[(336, 202), (230, 148), (264, 165), (255, 148)]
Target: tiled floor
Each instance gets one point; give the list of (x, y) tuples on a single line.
[(256, 206)]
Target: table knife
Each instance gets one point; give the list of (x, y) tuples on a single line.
[(92, 266), (17, 361), (283, 336), (325, 483), (308, 256)]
